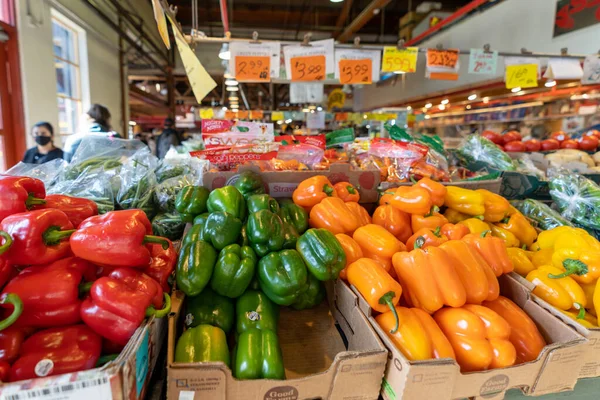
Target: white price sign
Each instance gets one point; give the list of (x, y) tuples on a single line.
[(89, 389)]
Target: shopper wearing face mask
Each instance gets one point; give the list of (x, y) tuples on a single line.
[(44, 150)]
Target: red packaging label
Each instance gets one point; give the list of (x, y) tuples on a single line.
[(315, 140)]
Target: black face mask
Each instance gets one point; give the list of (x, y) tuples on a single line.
[(43, 140)]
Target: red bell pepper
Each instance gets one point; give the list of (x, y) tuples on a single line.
[(119, 303), (11, 340), (7, 272), (4, 371), (50, 294), (162, 265), (17, 309), (68, 349), (117, 238), (77, 209), (19, 194), (37, 237)]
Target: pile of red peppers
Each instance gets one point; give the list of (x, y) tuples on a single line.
[(75, 285)]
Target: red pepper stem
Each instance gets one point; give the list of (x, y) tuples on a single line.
[(388, 299), (33, 201), (163, 312), (158, 240), (15, 300), (7, 242)]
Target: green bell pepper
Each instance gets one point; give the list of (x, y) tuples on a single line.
[(243, 241), (229, 200), (293, 214), (265, 232), (234, 270), (209, 308), (221, 229), (258, 202), (192, 235), (254, 309), (312, 297), (195, 266), (322, 253), (204, 343), (249, 183), (201, 219), (283, 276), (290, 236), (257, 355), (191, 201)]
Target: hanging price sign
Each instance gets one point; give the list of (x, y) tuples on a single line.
[(355, 71), (252, 68), (395, 59), (442, 58), (521, 75), (308, 68)]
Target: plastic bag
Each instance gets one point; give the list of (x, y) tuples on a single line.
[(478, 152), (137, 183), (47, 172), (297, 157), (577, 197), (526, 166), (166, 192), (169, 225), (545, 217), (96, 185)]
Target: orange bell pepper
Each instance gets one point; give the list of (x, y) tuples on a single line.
[(454, 231), (360, 213), (378, 288), (475, 225), (454, 216), (351, 249), (395, 221), (386, 197), (496, 206), (333, 214), (311, 191), (479, 337), (375, 239), (429, 278), (412, 200), (524, 334), (431, 220), (477, 277), (419, 337), (347, 192), (520, 260), (424, 238), (386, 263), (493, 250), (435, 189)]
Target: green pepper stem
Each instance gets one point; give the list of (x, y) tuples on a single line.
[(15, 300), (85, 288), (388, 299), (33, 201), (7, 242), (581, 313), (479, 217), (158, 240), (350, 189), (163, 312), (437, 231), (571, 267), (328, 190), (53, 235), (419, 242), (106, 359), (485, 233)]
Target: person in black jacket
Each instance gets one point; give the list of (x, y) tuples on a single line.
[(44, 151), (167, 138)]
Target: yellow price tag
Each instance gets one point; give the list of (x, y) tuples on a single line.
[(277, 116), (522, 75), (395, 59), (206, 113)]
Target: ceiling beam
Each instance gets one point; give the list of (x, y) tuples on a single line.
[(362, 19), (342, 17)]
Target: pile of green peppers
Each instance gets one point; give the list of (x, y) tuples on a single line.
[(244, 257)]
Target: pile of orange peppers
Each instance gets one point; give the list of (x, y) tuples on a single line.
[(433, 276)]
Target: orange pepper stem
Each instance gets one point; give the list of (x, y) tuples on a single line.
[(419, 242), (327, 189), (387, 299), (581, 313), (571, 267), (484, 233), (350, 189)]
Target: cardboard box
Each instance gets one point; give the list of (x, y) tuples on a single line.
[(283, 183), (127, 377), (493, 185), (318, 363), (555, 370)]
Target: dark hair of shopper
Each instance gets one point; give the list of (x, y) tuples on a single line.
[(46, 125), (100, 115)]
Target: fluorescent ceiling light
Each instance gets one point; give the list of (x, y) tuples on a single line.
[(445, 101), (428, 105), (442, 107), (550, 83), (305, 110), (468, 106), (132, 123), (232, 88), (319, 108), (486, 100), (224, 108), (408, 108), (224, 53), (231, 82), (427, 116), (516, 89), (399, 72), (472, 97)]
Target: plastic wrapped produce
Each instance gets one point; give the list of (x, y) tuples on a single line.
[(577, 197), (545, 217), (47, 172), (137, 183), (169, 225), (166, 192), (483, 152)]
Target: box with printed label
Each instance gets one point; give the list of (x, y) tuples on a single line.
[(319, 364), (554, 370), (283, 183), (126, 377)]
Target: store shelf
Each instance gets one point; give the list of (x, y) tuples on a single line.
[(507, 121)]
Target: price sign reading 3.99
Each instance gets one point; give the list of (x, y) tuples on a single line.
[(356, 71), (308, 68), (252, 68)]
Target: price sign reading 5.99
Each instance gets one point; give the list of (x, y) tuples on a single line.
[(308, 68), (356, 71), (252, 68)]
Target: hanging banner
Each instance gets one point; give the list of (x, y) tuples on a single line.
[(442, 64), (572, 15), (357, 66), (399, 60), (521, 76), (591, 70), (482, 62), (563, 68), (336, 98), (315, 120), (161, 23), (308, 61), (255, 52), (306, 93)]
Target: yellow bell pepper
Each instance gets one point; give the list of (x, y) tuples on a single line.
[(475, 225), (535, 246), (454, 217), (508, 237), (596, 298), (582, 264), (587, 319), (464, 200), (564, 236), (542, 257), (496, 206), (588, 289), (519, 226), (520, 260), (563, 293)]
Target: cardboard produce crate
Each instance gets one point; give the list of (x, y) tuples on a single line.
[(126, 377), (556, 368), (283, 183), (318, 364), (493, 185)]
